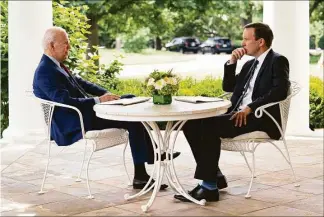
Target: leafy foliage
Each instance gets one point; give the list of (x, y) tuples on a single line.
[(316, 103), (75, 22), (4, 110), (321, 42), (136, 43)]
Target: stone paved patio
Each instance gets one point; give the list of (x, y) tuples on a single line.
[(273, 193)]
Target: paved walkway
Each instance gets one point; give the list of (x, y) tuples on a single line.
[(273, 194)]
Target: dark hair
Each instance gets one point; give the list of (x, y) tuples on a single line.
[(261, 30)]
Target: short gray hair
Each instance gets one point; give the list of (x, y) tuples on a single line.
[(50, 35)]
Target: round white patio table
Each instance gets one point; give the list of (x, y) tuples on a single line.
[(176, 114)]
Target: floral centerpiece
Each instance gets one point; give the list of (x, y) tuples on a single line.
[(162, 85)]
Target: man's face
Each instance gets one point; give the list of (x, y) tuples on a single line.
[(61, 47), (249, 43)]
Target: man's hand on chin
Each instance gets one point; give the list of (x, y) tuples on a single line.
[(240, 116)]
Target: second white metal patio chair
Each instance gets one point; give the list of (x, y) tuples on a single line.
[(98, 139), (250, 141)]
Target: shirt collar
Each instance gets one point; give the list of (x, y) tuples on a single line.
[(263, 56), (54, 60)]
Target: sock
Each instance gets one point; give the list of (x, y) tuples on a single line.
[(140, 172), (209, 185)]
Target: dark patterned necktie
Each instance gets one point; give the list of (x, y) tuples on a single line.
[(246, 86), (72, 79)]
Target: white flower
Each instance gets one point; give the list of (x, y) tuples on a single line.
[(150, 82), (167, 80), (174, 81), (159, 84)]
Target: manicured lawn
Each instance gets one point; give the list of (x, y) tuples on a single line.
[(149, 56)]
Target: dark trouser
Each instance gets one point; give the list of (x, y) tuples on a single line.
[(203, 136), (139, 139)]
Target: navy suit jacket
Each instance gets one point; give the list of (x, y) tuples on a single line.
[(51, 83)]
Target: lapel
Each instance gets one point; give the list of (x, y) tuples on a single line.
[(49, 61), (265, 64)]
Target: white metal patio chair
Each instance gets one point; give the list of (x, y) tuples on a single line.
[(99, 139), (250, 141)]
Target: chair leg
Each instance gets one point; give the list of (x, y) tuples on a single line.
[(246, 161), (290, 164), (124, 161), (252, 177), (46, 168), (84, 154), (88, 185)]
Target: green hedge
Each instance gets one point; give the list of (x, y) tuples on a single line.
[(316, 103), (213, 87)]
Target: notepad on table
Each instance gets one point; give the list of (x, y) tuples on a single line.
[(198, 99), (127, 101)]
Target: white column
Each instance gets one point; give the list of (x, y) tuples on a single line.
[(27, 22), (289, 21)]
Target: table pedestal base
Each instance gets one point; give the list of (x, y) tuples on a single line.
[(161, 144)]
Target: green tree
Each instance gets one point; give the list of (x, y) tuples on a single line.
[(4, 110), (97, 10), (81, 61), (316, 10)]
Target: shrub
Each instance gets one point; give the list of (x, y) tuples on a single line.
[(209, 86), (316, 103), (136, 43), (4, 109), (133, 86), (312, 43), (321, 42)]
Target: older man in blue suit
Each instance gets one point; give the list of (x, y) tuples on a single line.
[(54, 82)]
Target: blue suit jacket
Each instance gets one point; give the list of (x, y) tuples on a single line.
[(51, 83)]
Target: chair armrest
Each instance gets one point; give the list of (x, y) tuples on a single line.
[(260, 110), (66, 106), (225, 94)]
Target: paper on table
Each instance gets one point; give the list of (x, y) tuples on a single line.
[(198, 99), (126, 101)]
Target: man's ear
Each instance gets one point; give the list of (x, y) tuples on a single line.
[(52, 45), (262, 42)]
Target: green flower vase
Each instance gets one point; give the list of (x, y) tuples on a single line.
[(162, 99)]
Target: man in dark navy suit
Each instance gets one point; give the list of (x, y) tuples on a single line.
[(54, 82), (262, 80)]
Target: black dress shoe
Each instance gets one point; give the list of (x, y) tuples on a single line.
[(140, 184), (221, 180), (175, 155), (200, 193)]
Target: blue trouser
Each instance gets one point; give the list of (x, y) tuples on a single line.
[(139, 140)]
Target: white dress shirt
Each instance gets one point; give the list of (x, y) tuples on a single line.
[(96, 99), (247, 99)]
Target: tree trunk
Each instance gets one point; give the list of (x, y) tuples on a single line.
[(158, 43), (93, 38)]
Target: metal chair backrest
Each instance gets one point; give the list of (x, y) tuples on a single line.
[(47, 109), (285, 104)]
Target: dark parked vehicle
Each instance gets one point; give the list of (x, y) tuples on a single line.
[(216, 45), (184, 44)]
